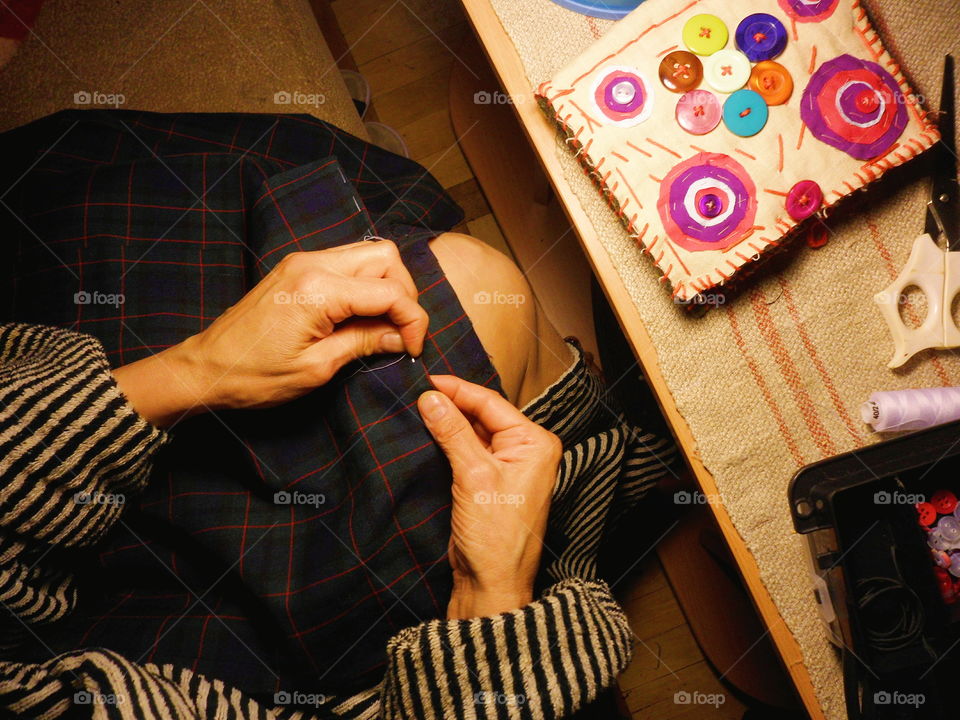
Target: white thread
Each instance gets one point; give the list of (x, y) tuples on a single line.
[(365, 369)]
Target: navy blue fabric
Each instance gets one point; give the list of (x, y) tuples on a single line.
[(275, 549)]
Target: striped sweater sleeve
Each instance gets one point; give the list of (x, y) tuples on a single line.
[(544, 660), (71, 451)]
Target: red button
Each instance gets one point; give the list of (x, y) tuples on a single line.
[(817, 236), (867, 101), (927, 513), (944, 502)]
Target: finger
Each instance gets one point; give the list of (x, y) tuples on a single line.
[(376, 259), (350, 341), (453, 434), (490, 408), (369, 297)]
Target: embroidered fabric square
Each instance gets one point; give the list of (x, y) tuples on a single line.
[(714, 129)]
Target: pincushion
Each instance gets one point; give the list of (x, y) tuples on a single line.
[(715, 129)]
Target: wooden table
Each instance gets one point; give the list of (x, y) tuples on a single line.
[(542, 135)]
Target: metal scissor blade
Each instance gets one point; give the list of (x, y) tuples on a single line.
[(943, 210)]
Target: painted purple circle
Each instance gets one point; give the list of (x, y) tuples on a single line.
[(693, 225), (833, 129), (709, 205), (613, 103), (804, 199), (809, 10)]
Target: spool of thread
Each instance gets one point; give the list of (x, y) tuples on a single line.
[(911, 409)]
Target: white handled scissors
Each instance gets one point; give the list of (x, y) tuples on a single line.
[(933, 268)]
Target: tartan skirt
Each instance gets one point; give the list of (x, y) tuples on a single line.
[(276, 548)]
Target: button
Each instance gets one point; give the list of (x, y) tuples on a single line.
[(698, 112), (944, 502), (745, 113), (817, 236), (867, 101), (936, 540), (803, 200), (680, 71), (772, 80), (761, 37), (941, 558), (927, 514), (949, 528), (704, 34), (726, 70), (623, 92), (709, 205)]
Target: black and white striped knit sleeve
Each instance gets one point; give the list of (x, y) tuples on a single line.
[(539, 662), (71, 450), (544, 660)]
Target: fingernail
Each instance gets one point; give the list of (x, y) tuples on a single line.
[(391, 342), (433, 405)]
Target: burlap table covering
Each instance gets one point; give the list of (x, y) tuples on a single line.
[(774, 379)]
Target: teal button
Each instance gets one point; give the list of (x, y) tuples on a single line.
[(745, 113)]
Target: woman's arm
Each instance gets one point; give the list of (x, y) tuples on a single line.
[(543, 658), (310, 316)]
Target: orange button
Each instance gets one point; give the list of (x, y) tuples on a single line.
[(772, 81)]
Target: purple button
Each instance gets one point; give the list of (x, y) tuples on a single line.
[(804, 199), (698, 112), (761, 37), (709, 205)]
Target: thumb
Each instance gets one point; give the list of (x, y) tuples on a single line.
[(353, 340), (453, 432)]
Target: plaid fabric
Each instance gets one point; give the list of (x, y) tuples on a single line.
[(277, 549)]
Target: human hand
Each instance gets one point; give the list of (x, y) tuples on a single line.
[(504, 470), (310, 316)]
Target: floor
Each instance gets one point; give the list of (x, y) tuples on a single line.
[(406, 50)]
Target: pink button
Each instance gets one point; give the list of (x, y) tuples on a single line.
[(804, 199), (698, 112)]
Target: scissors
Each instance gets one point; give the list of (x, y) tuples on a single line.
[(933, 267)]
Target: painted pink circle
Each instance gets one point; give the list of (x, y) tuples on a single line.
[(721, 175)]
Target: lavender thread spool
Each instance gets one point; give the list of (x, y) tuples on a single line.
[(911, 409)]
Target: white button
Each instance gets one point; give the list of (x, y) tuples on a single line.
[(624, 92), (726, 70)]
